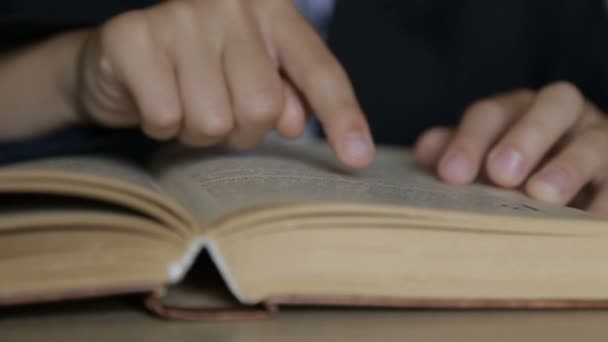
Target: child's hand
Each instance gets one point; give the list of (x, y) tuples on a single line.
[(215, 71), (553, 142)]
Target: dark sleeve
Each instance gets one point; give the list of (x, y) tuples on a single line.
[(579, 50), (127, 143)]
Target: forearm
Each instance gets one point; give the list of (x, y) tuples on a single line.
[(37, 87)]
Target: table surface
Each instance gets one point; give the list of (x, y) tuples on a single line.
[(122, 321)]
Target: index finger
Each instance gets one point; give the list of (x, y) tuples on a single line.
[(325, 86)]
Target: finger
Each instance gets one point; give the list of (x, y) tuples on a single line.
[(576, 165), (599, 205), (104, 97), (293, 120), (602, 177), (555, 110), (208, 111), (430, 145), (325, 86), (592, 116), (147, 72), (255, 86), (482, 125)]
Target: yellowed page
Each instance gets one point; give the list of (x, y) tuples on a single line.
[(101, 178), (213, 185), (37, 262), (361, 258), (70, 234), (100, 166)]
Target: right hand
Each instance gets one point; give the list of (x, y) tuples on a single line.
[(220, 71)]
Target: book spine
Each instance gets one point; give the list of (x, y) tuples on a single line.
[(154, 303)]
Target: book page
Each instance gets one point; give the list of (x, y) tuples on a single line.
[(215, 184), (106, 167), (103, 178)]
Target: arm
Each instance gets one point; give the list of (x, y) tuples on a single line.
[(37, 87)]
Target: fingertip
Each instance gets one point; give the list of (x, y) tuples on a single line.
[(291, 128), (597, 202), (421, 151), (456, 168), (552, 185), (506, 166), (292, 123), (357, 149), (599, 209), (161, 125), (349, 134), (543, 191), (429, 145)]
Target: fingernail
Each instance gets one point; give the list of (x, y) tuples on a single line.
[(508, 165), (549, 185), (358, 146), (457, 167)]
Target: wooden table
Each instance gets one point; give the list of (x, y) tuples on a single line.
[(120, 321)]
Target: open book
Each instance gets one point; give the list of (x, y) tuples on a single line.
[(286, 224)]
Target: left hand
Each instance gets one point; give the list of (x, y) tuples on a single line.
[(553, 143)]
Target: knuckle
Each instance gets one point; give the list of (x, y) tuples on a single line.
[(181, 12), (162, 127), (220, 126), (567, 91), (564, 86), (487, 108), (217, 125), (264, 108), (130, 27), (167, 122), (597, 137)]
